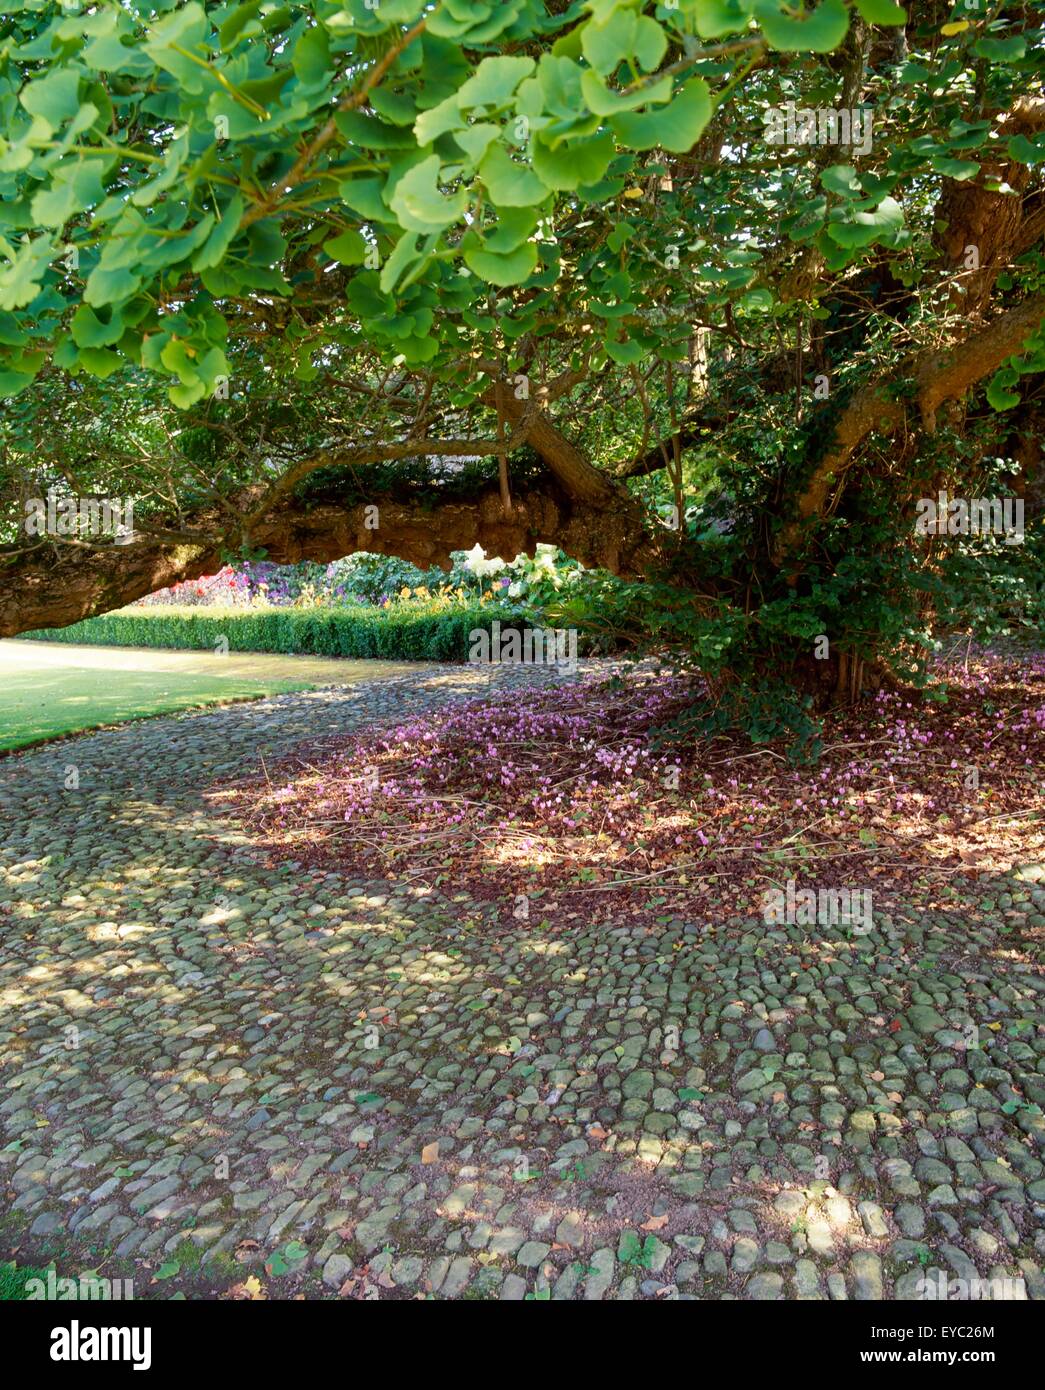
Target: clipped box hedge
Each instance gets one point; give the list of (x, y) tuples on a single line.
[(395, 633)]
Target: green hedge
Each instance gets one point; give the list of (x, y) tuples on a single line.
[(391, 633)]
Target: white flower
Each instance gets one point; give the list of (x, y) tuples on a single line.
[(476, 561)]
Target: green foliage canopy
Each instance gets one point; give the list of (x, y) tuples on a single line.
[(458, 171)]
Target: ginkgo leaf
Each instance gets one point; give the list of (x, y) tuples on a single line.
[(819, 30), (419, 204)]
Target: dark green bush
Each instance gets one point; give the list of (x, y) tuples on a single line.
[(400, 634)]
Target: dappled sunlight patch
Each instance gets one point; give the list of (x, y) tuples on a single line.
[(577, 792), (599, 1093)]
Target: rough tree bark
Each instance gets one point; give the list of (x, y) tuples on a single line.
[(937, 377), (1000, 226)]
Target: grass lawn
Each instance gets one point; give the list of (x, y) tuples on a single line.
[(13, 1279), (47, 690), (38, 705)]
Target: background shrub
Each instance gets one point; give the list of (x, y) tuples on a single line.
[(404, 633)]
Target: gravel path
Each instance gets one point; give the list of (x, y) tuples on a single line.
[(207, 1064)]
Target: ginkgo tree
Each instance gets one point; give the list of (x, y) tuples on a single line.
[(400, 276)]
